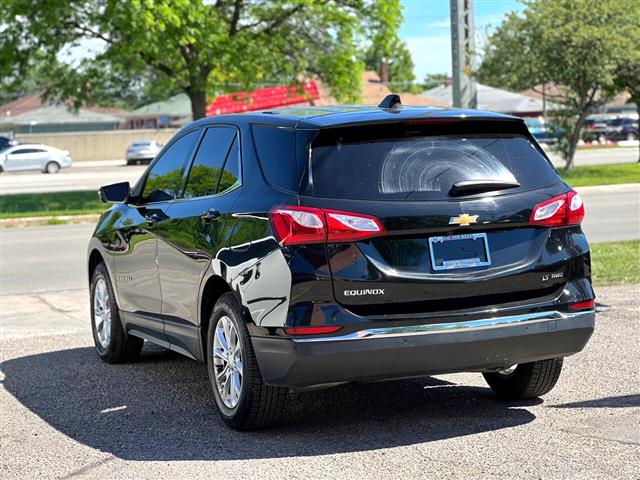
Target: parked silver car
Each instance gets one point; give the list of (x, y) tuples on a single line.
[(28, 156), (142, 151)]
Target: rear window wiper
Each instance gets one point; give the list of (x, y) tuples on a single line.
[(478, 186)]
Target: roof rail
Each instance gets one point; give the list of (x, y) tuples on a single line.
[(390, 101)]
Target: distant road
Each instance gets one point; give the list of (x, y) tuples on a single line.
[(91, 175), (81, 176)]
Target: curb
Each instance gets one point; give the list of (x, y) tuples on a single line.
[(618, 187)]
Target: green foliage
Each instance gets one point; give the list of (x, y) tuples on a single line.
[(615, 262), (199, 48), (575, 45), (43, 204)]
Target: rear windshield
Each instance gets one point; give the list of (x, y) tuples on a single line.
[(404, 164)]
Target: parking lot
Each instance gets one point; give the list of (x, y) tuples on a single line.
[(65, 414)]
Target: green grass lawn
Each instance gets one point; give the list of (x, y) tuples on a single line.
[(602, 174), (615, 262), (45, 204)]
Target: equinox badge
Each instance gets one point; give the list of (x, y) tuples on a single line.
[(464, 220)]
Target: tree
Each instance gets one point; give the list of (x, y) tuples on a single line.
[(191, 46), (574, 45), (399, 65)]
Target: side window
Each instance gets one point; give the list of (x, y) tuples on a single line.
[(165, 178), (276, 149), (22, 151), (208, 169)]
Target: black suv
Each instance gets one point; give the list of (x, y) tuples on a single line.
[(308, 247)]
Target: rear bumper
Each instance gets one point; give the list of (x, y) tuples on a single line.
[(391, 353)]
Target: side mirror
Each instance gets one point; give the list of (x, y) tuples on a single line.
[(115, 193)]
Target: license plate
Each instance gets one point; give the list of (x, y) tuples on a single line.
[(459, 251)]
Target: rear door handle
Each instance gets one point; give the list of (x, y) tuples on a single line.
[(211, 214)]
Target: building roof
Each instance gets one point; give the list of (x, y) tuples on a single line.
[(59, 114), (373, 91), (177, 106), (491, 99), (35, 101), (264, 98)]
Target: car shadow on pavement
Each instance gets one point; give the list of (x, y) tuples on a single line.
[(161, 408), (621, 401)]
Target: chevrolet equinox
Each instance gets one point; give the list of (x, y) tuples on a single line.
[(312, 246)]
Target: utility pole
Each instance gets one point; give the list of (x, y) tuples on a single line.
[(462, 50)]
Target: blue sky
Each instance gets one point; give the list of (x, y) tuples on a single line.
[(426, 29)]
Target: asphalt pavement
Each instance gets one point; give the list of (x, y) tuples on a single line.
[(65, 414), (92, 175)]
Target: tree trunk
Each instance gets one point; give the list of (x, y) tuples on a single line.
[(198, 103), (573, 142)]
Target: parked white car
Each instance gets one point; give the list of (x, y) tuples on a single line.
[(34, 157), (142, 151)]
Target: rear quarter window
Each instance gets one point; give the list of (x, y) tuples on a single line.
[(406, 163), (276, 150)]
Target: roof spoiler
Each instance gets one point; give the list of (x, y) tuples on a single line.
[(390, 101)]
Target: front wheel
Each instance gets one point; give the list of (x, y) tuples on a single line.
[(527, 380), (113, 345), (244, 401), (52, 167)]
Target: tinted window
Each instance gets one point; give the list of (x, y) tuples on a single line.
[(23, 151), (403, 164), (209, 162), (276, 149), (165, 178)]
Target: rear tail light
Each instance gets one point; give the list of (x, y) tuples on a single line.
[(585, 305), (310, 330), (294, 225), (565, 209)]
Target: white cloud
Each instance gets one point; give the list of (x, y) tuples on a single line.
[(430, 54)]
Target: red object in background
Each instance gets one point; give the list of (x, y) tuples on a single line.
[(263, 98)]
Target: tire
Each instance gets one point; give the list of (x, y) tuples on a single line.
[(257, 405), (52, 168), (528, 380), (112, 344)]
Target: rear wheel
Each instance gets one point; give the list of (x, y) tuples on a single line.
[(244, 401), (112, 344), (527, 380), (52, 167)]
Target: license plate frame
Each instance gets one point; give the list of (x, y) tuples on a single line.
[(461, 263)]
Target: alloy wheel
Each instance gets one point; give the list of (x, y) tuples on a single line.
[(102, 313), (227, 361)]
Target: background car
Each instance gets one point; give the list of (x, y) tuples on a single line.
[(142, 151), (622, 129), (542, 131), (6, 142), (594, 129), (34, 157)]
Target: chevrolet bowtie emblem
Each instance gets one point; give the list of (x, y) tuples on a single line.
[(464, 220)]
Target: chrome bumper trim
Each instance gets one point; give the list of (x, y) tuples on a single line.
[(451, 327)]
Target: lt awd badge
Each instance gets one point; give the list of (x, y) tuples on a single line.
[(464, 220)]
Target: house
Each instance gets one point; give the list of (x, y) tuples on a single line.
[(492, 99), (174, 112), (32, 114)]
